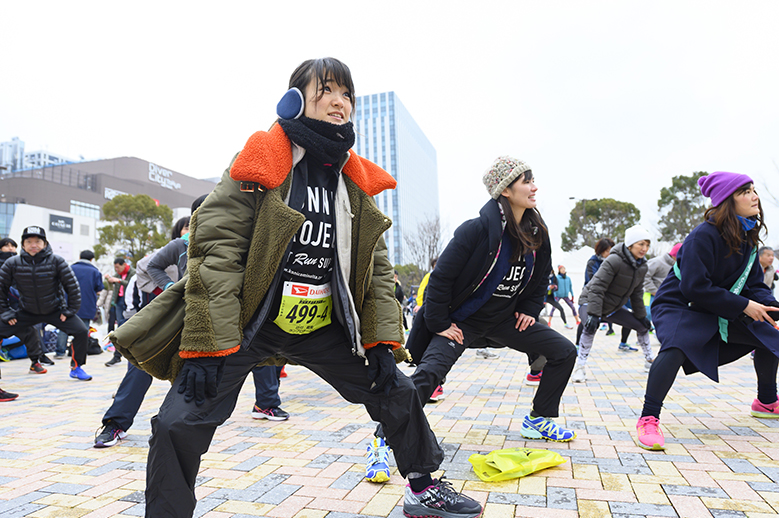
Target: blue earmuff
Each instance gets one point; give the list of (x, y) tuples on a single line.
[(291, 104)]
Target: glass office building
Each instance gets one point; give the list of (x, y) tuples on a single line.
[(388, 136)]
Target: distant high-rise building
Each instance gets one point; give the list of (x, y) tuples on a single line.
[(44, 159), (388, 136), (11, 155)]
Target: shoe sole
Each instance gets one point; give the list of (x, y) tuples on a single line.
[(74, 378), (426, 512), (268, 417), (654, 447), (108, 444), (764, 415), (8, 399), (379, 477), (532, 383), (44, 371), (537, 435)]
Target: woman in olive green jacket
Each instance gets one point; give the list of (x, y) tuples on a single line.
[(287, 263)]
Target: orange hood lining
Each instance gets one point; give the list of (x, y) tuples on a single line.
[(267, 160)]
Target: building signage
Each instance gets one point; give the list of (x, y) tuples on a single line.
[(110, 194), (60, 224), (163, 177)]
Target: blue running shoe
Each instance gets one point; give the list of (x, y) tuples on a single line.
[(626, 348), (543, 428), (79, 374), (377, 468)]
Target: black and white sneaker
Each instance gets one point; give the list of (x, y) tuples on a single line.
[(109, 436), (271, 414), (45, 360), (439, 501)]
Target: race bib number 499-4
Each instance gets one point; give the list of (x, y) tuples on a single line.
[(304, 308)]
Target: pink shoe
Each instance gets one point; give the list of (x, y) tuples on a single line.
[(766, 411), (650, 437)]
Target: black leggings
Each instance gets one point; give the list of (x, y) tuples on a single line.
[(550, 300), (665, 367)]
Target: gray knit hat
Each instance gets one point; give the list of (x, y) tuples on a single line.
[(503, 171)]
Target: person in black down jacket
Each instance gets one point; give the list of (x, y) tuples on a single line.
[(620, 278), (41, 276), (488, 289)]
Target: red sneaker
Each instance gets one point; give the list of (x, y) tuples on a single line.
[(283, 372), (438, 394), (7, 396), (533, 379), (650, 437), (37, 368)]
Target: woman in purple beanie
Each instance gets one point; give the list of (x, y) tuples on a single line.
[(715, 308)]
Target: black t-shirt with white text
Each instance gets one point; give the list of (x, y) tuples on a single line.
[(303, 300), (500, 306)]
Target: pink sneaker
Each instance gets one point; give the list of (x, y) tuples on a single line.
[(766, 411), (650, 437), (437, 395)]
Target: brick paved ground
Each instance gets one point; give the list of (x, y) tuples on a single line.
[(720, 462)]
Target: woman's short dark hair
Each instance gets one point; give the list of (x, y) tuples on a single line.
[(322, 69), (724, 217), (180, 224), (8, 241), (602, 245)]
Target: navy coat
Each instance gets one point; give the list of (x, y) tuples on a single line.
[(685, 313)]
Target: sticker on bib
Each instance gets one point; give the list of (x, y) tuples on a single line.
[(304, 308)]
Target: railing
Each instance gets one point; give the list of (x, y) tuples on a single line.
[(63, 174)]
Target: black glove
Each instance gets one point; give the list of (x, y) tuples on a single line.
[(381, 368), (592, 324), (646, 323), (200, 378)]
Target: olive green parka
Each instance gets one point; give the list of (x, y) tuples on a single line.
[(238, 237)]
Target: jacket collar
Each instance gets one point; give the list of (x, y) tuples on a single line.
[(40, 256), (622, 251), (267, 160), (493, 222)]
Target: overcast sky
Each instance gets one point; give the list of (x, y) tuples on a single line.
[(602, 99)]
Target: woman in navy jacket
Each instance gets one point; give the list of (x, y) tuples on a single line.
[(487, 291), (714, 309)]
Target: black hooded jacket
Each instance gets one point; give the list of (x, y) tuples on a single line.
[(42, 281), (467, 259)]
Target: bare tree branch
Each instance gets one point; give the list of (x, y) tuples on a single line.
[(426, 243)]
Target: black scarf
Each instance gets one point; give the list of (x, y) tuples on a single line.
[(324, 141)]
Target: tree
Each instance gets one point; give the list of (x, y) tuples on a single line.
[(409, 275), (426, 243), (681, 207), (592, 220), (137, 224)]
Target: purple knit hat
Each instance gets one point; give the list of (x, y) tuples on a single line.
[(719, 185)]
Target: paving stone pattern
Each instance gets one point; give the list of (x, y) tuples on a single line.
[(720, 462)]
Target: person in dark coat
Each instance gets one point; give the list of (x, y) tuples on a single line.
[(488, 289), (619, 279), (715, 308), (42, 279), (91, 283)]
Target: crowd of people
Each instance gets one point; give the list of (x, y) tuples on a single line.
[(231, 295)]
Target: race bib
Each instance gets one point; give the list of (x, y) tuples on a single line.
[(304, 308)]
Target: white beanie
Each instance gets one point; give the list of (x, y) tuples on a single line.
[(635, 234)]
